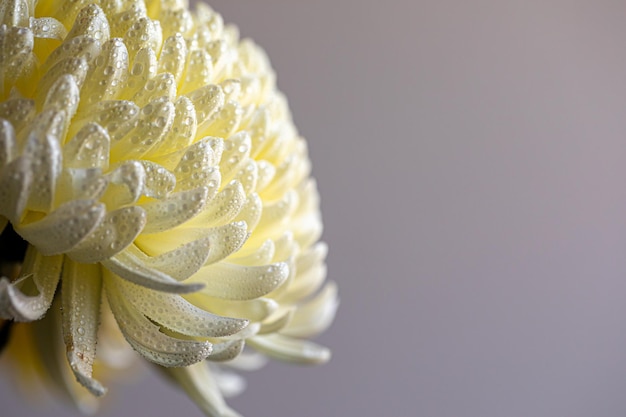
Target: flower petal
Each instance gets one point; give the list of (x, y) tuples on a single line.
[(314, 316), (289, 349), (114, 233), (199, 384), (177, 314), (131, 268), (174, 210), (237, 282), (223, 208), (8, 142), (172, 58), (223, 240), (64, 228), (255, 310), (180, 263), (14, 188), (89, 148), (44, 272), (47, 27), (43, 150), (226, 351), (81, 297), (146, 338)]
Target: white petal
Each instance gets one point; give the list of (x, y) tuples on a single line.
[(237, 282), (197, 166), (146, 338), (63, 96), (225, 122), (43, 150), (64, 228), (114, 233), (80, 184), (226, 351), (15, 188), (131, 268), (174, 210), (107, 74), (207, 100), (154, 122), (263, 255), (89, 148), (18, 111), (223, 240), (183, 129), (248, 175), (289, 349), (117, 117), (179, 263), (267, 171), (8, 142), (50, 349), (200, 385), (277, 212), (223, 208), (81, 47), (173, 55), (74, 66), (160, 85), (47, 27), (177, 314), (311, 272), (198, 73), (143, 68), (126, 182), (248, 360), (229, 383), (316, 315), (44, 272), (81, 297), (251, 211), (255, 310), (236, 152), (159, 181), (276, 323), (91, 21)]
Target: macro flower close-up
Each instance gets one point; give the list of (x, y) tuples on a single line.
[(155, 196)]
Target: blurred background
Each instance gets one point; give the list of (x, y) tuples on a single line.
[(471, 161)]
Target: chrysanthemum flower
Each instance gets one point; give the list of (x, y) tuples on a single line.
[(151, 166)]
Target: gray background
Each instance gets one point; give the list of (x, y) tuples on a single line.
[(470, 156)]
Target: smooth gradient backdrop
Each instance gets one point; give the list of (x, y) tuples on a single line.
[(471, 161)]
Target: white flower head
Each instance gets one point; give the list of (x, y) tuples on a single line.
[(146, 155)]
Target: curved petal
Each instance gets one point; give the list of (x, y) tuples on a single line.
[(223, 208), (223, 240), (131, 268), (44, 272), (177, 314), (237, 282), (226, 351), (200, 385), (115, 233), (314, 316), (174, 210), (180, 263), (255, 310), (81, 297), (64, 228), (289, 349), (146, 338), (14, 188)]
